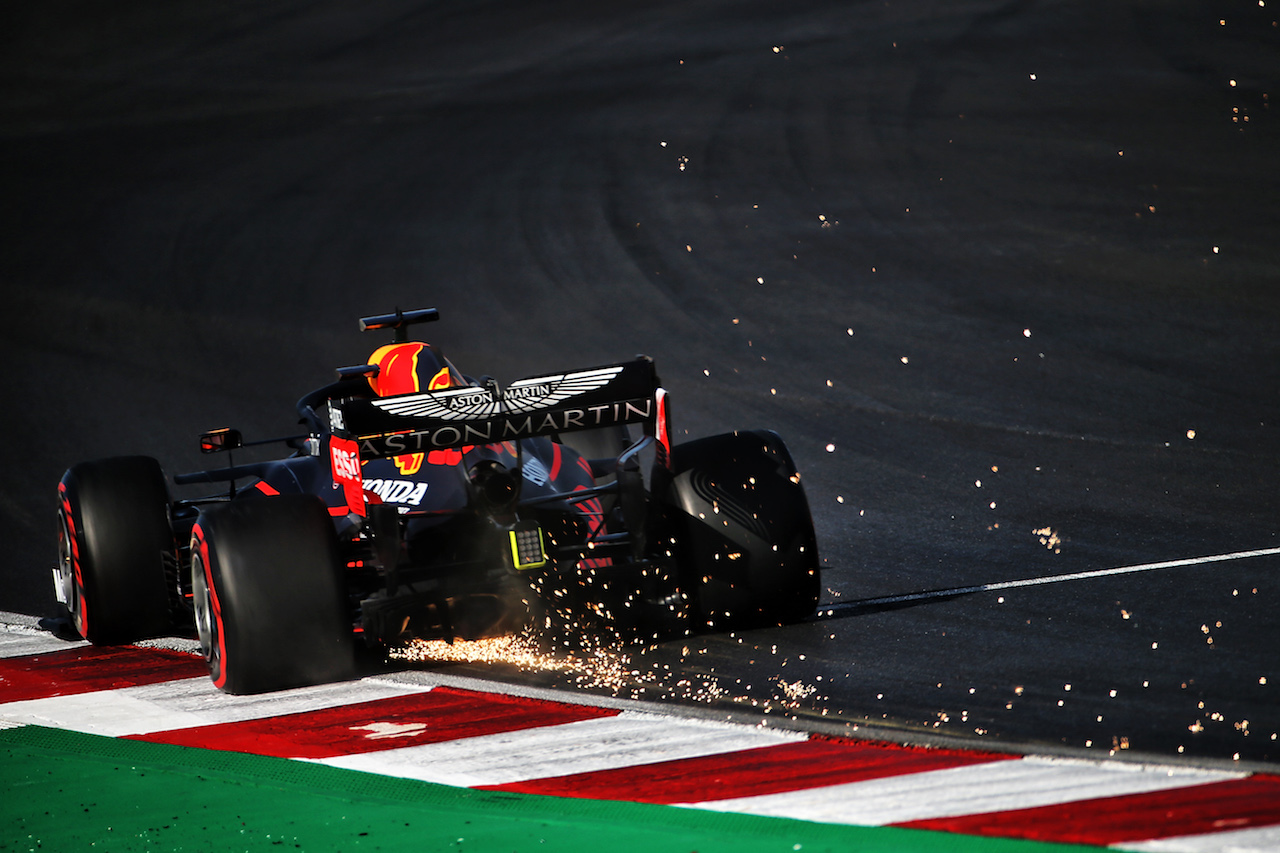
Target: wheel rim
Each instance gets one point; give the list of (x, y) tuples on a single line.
[(206, 624), (72, 590)]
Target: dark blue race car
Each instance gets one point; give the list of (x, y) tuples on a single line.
[(424, 504)]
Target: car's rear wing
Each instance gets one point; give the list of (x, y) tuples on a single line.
[(595, 398)]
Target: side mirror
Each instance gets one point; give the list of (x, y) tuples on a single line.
[(218, 440)]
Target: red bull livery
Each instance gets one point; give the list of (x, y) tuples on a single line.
[(420, 503)]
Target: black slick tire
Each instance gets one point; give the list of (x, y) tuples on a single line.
[(114, 544), (741, 532), (268, 594)]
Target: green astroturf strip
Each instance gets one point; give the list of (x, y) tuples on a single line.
[(62, 790)]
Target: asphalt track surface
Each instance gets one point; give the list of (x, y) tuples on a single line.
[(1002, 275)]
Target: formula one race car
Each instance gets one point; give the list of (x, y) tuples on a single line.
[(423, 504)]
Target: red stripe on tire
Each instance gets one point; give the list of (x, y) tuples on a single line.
[(81, 614), (439, 715), (199, 544), (748, 773)]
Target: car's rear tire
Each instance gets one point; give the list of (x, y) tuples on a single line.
[(269, 597), (740, 530), (115, 543)]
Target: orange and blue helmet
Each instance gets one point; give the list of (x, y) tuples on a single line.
[(404, 368)]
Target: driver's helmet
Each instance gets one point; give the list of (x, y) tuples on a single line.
[(408, 367)]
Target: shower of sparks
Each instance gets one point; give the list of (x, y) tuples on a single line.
[(591, 667), (611, 665)]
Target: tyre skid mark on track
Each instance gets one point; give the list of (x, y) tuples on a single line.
[(475, 738)]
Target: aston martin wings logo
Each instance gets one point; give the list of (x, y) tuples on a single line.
[(528, 395), (456, 404), (525, 395)]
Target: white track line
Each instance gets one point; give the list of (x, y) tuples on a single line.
[(976, 789), (1264, 839), (1048, 579), (185, 703), (20, 643), (629, 739)]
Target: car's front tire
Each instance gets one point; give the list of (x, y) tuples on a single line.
[(268, 594)]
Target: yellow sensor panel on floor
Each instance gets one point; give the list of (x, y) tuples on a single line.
[(527, 550)]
